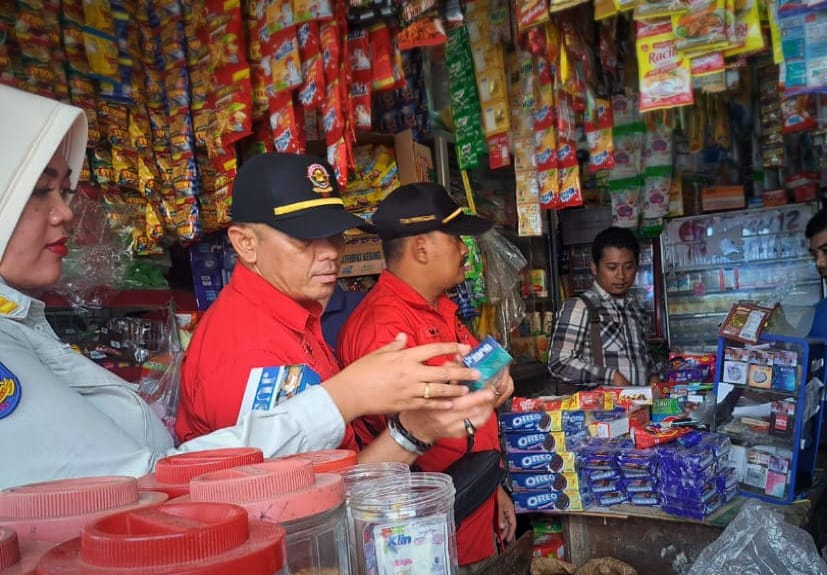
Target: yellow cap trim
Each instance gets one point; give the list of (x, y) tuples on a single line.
[(306, 205), (417, 219), (452, 216)]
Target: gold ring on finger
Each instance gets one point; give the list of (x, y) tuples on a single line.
[(427, 392)]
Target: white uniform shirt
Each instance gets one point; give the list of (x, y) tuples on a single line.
[(75, 418)]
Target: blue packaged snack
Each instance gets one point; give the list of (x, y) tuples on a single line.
[(601, 474), (541, 461), (635, 474), (631, 486), (640, 460), (530, 501), (489, 358), (539, 441), (645, 499), (610, 498), (544, 481), (692, 510), (604, 486), (690, 495), (526, 421), (568, 421), (691, 460), (687, 480)]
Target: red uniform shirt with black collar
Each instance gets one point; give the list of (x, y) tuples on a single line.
[(250, 325), (390, 307)]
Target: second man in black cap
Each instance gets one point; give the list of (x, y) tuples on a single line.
[(420, 227)]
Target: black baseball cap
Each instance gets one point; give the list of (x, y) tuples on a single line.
[(295, 194), (424, 207)]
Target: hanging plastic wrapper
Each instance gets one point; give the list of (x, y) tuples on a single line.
[(161, 371), (503, 263), (97, 259)]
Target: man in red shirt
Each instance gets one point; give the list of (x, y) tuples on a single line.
[(420, 226), (288, 221)]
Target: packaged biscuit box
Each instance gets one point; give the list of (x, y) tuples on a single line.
[(567, 500), (570, 421), (544, 481), (554, 441), (542, 461)]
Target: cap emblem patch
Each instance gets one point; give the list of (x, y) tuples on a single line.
[(319, 179)]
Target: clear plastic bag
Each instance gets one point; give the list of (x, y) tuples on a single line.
[(97, 259), (160, 373), (759, 542), (503, 263)]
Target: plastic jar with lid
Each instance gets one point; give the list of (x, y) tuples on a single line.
[(172, 539), (359, 476), (310, 506), (10, 563), (173, 474), (405, 521), (48, 513), (327, 461)]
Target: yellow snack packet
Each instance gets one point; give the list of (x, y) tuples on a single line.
[(748, 36), (664, 74), (701, 27)]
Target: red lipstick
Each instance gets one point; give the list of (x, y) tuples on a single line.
[(59, 247)]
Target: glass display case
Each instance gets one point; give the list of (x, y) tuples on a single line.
[(710, 262), (770, 399)]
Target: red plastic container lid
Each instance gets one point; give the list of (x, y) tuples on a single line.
[(274, 491), (9, 548), (173, 474), (66, 497), (329, 461), (172, 539), (57, 510)]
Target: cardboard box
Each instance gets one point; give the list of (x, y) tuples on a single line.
[(415, 161), (717, 198), (362, 256)]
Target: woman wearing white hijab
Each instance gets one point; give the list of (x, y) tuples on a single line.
[(62, 415)]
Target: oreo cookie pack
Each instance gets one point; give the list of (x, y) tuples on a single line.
[(555, 441), (569, 421), (568, 500), (544, 481), (541, 461)]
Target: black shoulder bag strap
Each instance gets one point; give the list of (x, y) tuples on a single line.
[(594, 331)]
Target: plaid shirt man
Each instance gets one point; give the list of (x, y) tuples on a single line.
[(622, 332)]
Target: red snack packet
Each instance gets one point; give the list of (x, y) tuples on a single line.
[(422, 33), (653, 435), (283, 124), (309, 40), (330, 50), (234, 104), (382, 56), (311, 93), (285, 61), (337, 157), (333, 121)]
